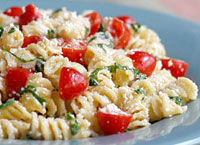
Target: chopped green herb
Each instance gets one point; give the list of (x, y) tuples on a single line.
[(17, 57), (7, 103), (12, 30), (136, 27), (75, 126), (58, 10), (104, 36), (1, 30), (87, 30), (111, 45), (28, 136), (100, 28), (51, 34), (94, 80), (142, 98), (139, 91), (92, 38), (100, 45), (138, 74), (39, 66), (32, 89), (157, 58), (177, 99), (127, 130), (69, 116)]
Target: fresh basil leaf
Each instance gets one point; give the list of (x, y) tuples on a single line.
[(28, 136), (1, 30), (7, 103), (176, 99), (92, 38), (58, 10), (75, 126), (136, 27), (69, 116), (138, 74), (39, 66), (100, 45), (94, 80), (32, 89), (111, 45), (51, 34), (17, 57), (104, 36), (100, 28), (127, 130), (139, 91), (12, 30), (157, 58), (87, 30)]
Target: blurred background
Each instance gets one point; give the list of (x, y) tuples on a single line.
[(188, 9)]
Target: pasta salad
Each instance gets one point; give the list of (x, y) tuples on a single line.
[(70, 76)]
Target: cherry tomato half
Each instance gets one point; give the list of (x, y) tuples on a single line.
[(14, 12), (71, 83), (16, 79), (143, 61), (31, 13), (31, 39), (119, 30), (126, 19), (73, 49), (95, 20), (113, 122), (177, 68)]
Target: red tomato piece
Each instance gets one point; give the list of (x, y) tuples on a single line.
[(119, 30), (14, 12), (16, 79), (95, 20), (31, 13), (31, 39), (71, 83), (143, 61), (112, 121), (126, 19), (73, 49), (177, 68)]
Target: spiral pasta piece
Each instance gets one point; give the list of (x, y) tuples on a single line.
[(45, 48), (162, 106), (13, 129), (50, 128), (12, 37), (184, 88), (15, 111), (135, 105)]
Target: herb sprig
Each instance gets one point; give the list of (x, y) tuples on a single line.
[(17, 57), (136, 26), (75, 126), (1, 30), (94, 80), (32, 89), (12, 30), (7, 103), (51, 33), (176, 99), (139, 91), (39, 66), (58, 10)]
